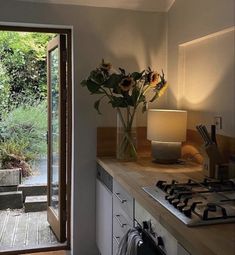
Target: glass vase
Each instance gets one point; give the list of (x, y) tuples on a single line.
[(126, 135)]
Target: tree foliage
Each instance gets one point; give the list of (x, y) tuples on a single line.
[(22, 68)]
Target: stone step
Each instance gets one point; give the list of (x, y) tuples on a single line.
[(12, 200), (35, 203), (8, 188), (33, 190)]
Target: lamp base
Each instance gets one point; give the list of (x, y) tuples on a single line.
[(166, 152)]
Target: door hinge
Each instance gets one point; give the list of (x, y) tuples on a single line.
[(64, 55)]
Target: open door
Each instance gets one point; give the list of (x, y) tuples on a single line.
[(56, 72)]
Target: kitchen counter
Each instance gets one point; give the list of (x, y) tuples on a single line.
[(216, 239)]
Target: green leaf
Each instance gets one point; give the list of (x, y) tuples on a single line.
[(84, 83), (136, 75), (97, 76), (118, 102), (113, 81), (122, 71), (93, 87), (97, 105), (135, 94)]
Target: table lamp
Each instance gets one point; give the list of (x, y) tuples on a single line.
[(166, 129)]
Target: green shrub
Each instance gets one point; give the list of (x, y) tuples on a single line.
[(11, 156), (23, 135)]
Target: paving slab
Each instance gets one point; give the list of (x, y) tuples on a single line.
[(35, 203)]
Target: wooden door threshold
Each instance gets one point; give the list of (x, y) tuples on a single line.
[(37, 249)]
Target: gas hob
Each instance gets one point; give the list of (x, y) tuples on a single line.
[(197, 203)]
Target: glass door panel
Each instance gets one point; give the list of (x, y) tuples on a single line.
[(56, 62)]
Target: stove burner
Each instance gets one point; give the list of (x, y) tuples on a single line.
[(197, 203)]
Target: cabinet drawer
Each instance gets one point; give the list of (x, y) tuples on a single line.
[(122, 199), (120, 225)]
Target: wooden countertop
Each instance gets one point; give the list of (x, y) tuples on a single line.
[(204, 240)]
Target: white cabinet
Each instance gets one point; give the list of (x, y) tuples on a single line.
[(103, 218), (123, 214), (181, 250)]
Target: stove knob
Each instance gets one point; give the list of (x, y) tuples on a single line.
[(175, 202), (170, 198), (187, 211)]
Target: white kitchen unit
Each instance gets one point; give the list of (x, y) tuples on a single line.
[(117, 211), (104, 212), (123, 213)]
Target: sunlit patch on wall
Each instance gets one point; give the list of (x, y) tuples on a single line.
[(206, 75)]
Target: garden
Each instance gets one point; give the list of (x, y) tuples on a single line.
[(23, 95)]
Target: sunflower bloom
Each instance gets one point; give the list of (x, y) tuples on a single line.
[(104, 66), (153, 78), (126, 83)]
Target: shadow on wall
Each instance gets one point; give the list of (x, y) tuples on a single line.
[(128, 39)]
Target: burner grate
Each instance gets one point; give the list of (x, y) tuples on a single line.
[(197, 203)]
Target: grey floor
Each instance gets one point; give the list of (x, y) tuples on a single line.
[(19, 230)]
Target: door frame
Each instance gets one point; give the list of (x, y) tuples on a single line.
[(57, 221), (68, 32)]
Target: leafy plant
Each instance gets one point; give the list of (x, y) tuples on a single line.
[(12, 157), (125, 90), (23, 135), (23, 57)]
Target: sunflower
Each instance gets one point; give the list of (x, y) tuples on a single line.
[(153, 78), (126, 83), (104, 66)]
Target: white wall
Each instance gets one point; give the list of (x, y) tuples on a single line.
[(130, 39), (201, 61)]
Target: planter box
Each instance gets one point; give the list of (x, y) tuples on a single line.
[(10, 177)]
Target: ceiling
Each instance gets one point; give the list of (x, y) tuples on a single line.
[(141, 5)]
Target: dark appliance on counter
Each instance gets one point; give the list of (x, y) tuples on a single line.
[(197, 203)]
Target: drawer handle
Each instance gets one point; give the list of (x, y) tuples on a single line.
[(119, 198), (116, 238), (117, 217)]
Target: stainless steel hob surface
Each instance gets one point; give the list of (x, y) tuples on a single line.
[(197, 203)]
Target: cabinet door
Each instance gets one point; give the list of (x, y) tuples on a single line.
[(103, 219)]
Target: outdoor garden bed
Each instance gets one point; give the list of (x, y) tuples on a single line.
[(10, 177)]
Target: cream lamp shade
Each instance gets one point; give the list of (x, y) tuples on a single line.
[(166, 125), (166, 129)]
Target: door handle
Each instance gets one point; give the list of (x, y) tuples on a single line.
[(117, 194), (117, 217), (116, 238)]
